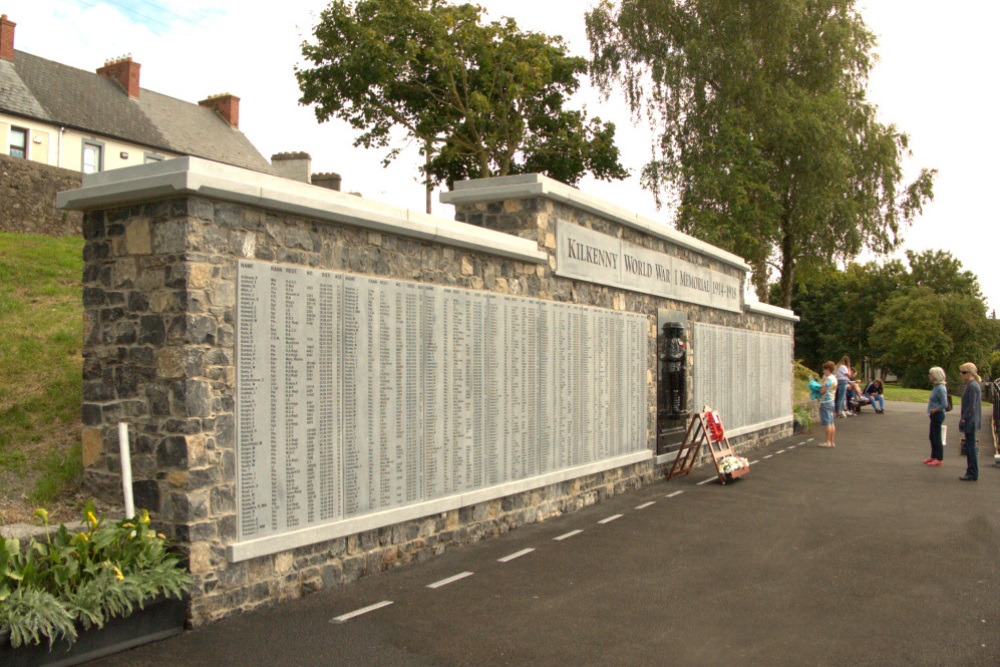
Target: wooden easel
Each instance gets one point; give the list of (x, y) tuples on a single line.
[(699, 433)]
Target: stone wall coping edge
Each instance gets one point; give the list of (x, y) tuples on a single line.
[(773, 311), (213, 180)]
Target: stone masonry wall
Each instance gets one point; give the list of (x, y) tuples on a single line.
[(159, 351), (28, 198)]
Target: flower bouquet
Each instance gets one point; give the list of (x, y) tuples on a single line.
[(728, 465)]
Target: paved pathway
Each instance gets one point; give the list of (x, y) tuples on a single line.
[(858, 555)]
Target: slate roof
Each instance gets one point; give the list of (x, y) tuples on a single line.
[(65, 96)]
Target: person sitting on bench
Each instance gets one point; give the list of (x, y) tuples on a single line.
[(876, 394)]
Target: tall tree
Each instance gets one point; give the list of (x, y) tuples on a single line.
[(481, 99), (766, 138)]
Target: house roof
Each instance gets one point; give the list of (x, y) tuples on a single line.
[(48, 91)]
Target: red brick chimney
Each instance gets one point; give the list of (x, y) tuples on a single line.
[(6, 38), (227, 105), (125, 72)]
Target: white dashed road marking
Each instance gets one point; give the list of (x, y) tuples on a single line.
[(780, 451), (645, 505), (517, 554), (449, 580), (675, 493), (611, 518), (710, 479), (567, 535), (768, 456), (753, 462), (359, 612)]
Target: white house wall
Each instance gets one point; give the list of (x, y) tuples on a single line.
[(58, 147)]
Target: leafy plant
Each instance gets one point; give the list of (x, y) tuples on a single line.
[(803, 419), (85, 578)]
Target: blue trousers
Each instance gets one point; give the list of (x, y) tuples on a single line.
[(842, 395), (937, 447)]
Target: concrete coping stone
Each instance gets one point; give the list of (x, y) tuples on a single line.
[(213, 180), (773, 311)]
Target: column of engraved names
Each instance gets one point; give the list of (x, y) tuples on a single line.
[(370, 397), (412, 411), (353, 346), (478, 378), (390, 438), (529, 361), (588, 367), (546, 395), (618, 387), (493, 391), (515, 389), (293, 362), (276, 352), (461, 332), (251, 366), (433, 391), (603, 374), (640, 362), (565, 404), (310, 443), (329, 441)]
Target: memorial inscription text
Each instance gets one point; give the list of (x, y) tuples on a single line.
[(358, 394)]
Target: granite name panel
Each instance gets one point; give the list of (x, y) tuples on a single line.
[(358, 395), (584, 254), (744, 375)]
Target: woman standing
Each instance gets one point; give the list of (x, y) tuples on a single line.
[(936, 405), (970, 420), (843, 374), (826, 404)]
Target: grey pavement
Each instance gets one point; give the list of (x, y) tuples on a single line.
[(858, 555)]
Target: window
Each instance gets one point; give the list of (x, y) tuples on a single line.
[(18, 142), (93, 157)]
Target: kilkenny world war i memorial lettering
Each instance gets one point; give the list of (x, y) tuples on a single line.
[(320, 387)]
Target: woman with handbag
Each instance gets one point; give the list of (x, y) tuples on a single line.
[(936, 406), (970, 419)]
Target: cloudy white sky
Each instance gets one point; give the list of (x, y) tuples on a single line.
[(934, 81)]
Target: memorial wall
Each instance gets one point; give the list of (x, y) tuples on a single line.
[(359, 395), (319, 387)]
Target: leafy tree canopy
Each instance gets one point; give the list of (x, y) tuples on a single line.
[(902, 318), (765, 134), (482, 99)]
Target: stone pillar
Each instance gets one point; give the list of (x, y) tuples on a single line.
[(158, 336)]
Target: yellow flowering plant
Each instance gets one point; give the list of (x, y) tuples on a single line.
[(81, 579)]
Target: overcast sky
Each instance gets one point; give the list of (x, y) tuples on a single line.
[(934, 80)]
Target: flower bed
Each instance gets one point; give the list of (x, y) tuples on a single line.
[(75, 582)]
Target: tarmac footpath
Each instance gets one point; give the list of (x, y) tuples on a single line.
[(857, 555)]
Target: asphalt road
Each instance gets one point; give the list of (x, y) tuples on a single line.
[(858, 555)]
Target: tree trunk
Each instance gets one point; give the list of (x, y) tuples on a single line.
[(787, 271), (427, 177)]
